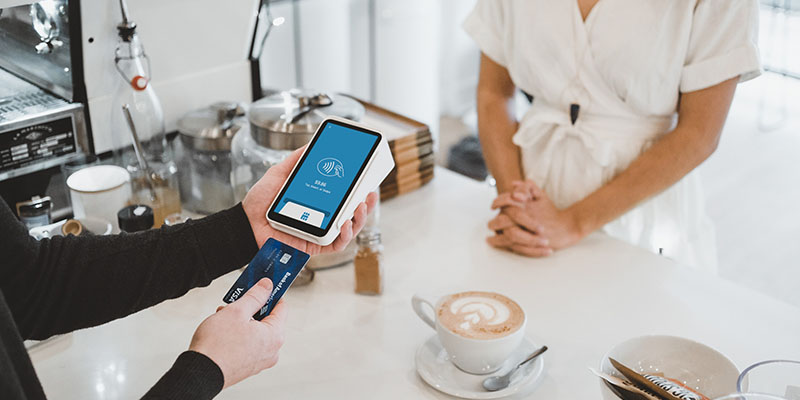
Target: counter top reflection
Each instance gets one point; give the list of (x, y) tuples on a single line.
[(580, 302)]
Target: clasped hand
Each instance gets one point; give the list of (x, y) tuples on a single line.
[(530, 224)]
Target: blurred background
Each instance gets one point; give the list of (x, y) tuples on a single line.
[(427, 67)]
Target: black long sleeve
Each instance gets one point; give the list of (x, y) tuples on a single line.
[(193, 377), (66, 283), (63, 284)]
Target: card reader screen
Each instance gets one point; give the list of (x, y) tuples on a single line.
[(326, 175)]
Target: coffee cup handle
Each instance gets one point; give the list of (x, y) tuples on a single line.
[(419, 303)]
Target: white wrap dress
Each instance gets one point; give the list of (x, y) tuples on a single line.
[(625, 66)]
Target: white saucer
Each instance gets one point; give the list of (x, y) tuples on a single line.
[(435, 368)]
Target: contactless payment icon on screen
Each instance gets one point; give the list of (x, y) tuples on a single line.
[(330, 167), (326, 185)]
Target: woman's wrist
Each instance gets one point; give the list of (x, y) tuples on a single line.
[(504, 179), (580, 222), (503, 185)]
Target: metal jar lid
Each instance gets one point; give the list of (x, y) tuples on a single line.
[(287, 120), (211, 128)]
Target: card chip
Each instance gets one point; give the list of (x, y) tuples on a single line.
[(285, 258)]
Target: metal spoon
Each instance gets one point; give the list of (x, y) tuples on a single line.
[(496, 383), (137, 148)]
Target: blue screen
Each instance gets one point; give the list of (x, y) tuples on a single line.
[(322, 181)]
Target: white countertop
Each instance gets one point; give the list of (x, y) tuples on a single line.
[(580, 302)]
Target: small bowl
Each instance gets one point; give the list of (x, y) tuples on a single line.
[(697, 366)]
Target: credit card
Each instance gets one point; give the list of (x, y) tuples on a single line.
[(277, 261)]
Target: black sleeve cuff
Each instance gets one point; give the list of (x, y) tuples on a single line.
[(193, 377), (226, 239)]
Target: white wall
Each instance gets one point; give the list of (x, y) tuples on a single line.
[(198, 50), (408, 46), (334, 45), (329, 50), (460, 60)]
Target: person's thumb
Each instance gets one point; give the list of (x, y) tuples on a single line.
[(253, 299)]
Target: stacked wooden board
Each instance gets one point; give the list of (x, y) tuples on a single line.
[(412, 148)]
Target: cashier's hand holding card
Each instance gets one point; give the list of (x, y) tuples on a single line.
[(232, 338), (238, 344), (260, 197)]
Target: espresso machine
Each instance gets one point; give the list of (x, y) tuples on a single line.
[(42, 99)]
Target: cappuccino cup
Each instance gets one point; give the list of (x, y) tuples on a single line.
[(479, 330)]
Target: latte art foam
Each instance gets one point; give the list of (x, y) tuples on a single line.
[(480, 315), (476, 311)]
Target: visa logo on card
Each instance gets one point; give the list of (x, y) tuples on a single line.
[(277, 261)]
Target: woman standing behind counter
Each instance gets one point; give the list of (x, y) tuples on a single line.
[(600, 147)]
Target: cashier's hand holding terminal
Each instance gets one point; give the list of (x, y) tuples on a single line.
[(343, 163), (259, 198)]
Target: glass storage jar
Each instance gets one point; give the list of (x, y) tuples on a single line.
[(204, 156)]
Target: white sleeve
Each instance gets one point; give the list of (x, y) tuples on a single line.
[(722, 44), (485, 24)]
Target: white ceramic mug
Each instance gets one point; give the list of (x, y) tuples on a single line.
[(475, 356), (99, 191)]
